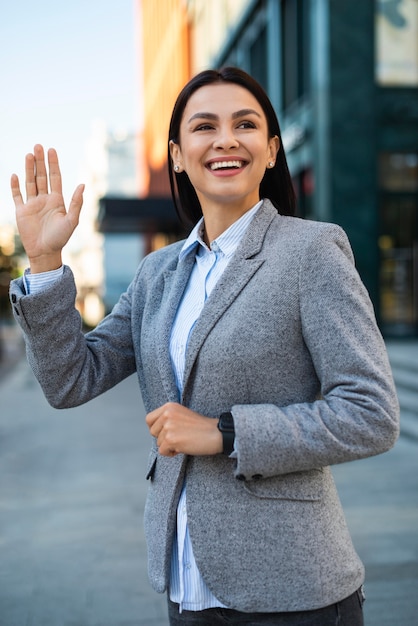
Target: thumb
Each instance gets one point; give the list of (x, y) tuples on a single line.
[(75, 205)]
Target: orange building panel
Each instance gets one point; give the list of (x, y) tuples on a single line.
[(165, 50)]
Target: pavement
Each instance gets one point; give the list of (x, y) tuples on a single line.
[(72, 492), (11, 346)]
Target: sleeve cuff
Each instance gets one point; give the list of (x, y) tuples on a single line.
[(34, 283)]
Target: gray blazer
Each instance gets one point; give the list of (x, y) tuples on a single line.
[(288, 342)]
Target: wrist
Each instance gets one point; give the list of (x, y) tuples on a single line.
[(45, 263)]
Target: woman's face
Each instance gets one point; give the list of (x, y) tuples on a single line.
[(224, 146)]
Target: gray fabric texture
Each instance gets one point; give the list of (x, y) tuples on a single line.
[(289, 344)]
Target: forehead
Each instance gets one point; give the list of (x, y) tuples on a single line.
[(222, 99)]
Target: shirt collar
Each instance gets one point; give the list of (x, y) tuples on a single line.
[(227, 242)]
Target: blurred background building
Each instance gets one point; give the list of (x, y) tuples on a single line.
[(343, 78), (144, 221)]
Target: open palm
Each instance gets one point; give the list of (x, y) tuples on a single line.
[(44, 224)]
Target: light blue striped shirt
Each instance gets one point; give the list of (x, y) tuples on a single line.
[(37, 282), (187, 587)]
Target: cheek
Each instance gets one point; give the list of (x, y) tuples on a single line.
[(193, 156)]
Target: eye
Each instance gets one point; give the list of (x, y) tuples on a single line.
[(203, 127), (246, 124)]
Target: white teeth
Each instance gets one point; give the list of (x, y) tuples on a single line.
[(217, 165)]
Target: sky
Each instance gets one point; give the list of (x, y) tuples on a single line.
[(63, 66)]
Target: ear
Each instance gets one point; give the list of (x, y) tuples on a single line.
[(273, 148), (175, 153)]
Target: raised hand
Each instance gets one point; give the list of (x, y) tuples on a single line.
[(44, 224)]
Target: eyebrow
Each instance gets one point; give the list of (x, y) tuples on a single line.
[(213, 116)]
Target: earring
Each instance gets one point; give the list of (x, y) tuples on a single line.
[(271, 163), (176, 168)]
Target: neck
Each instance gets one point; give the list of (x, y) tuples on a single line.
[(217, 219)]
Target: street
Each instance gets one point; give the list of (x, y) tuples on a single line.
[(72, 490)]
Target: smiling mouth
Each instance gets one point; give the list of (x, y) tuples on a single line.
[(226, 165)]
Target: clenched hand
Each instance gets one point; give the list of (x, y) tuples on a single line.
[(180, 430)]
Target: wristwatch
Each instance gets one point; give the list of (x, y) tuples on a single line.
[(226, 426)]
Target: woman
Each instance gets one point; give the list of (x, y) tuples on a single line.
[(259, 362)]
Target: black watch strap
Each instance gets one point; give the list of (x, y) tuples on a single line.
[(226, 426)]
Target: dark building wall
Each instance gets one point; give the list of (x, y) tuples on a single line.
[(352, 131), (316, 59)]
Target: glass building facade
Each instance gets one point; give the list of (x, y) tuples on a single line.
[(343, 77)]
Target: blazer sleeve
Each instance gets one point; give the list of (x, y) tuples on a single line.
[(72, 367), (357, 413)]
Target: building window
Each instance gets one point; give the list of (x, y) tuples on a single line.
[(399, 171), (303, 183), (398, 242), (249, 50), (258, 56), (396, 43), (295, 50)]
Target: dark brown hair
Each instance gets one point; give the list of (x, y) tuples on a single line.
[(276, 183)]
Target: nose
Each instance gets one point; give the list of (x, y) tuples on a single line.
[(225, 139)]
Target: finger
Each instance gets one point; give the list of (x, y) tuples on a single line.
[(152, 417), (166, 444), (155, 428), (30, 183), (75, 205), (16, 193), (166, 451), (55, 179), (41, 178)]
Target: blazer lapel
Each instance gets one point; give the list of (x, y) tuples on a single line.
[(239, 271), (175, 282)]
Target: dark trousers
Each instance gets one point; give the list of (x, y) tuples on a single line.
[(348, 612)]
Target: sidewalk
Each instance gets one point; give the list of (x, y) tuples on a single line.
[(11, 346), (403, 357), (380, 500), (72, 492)]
